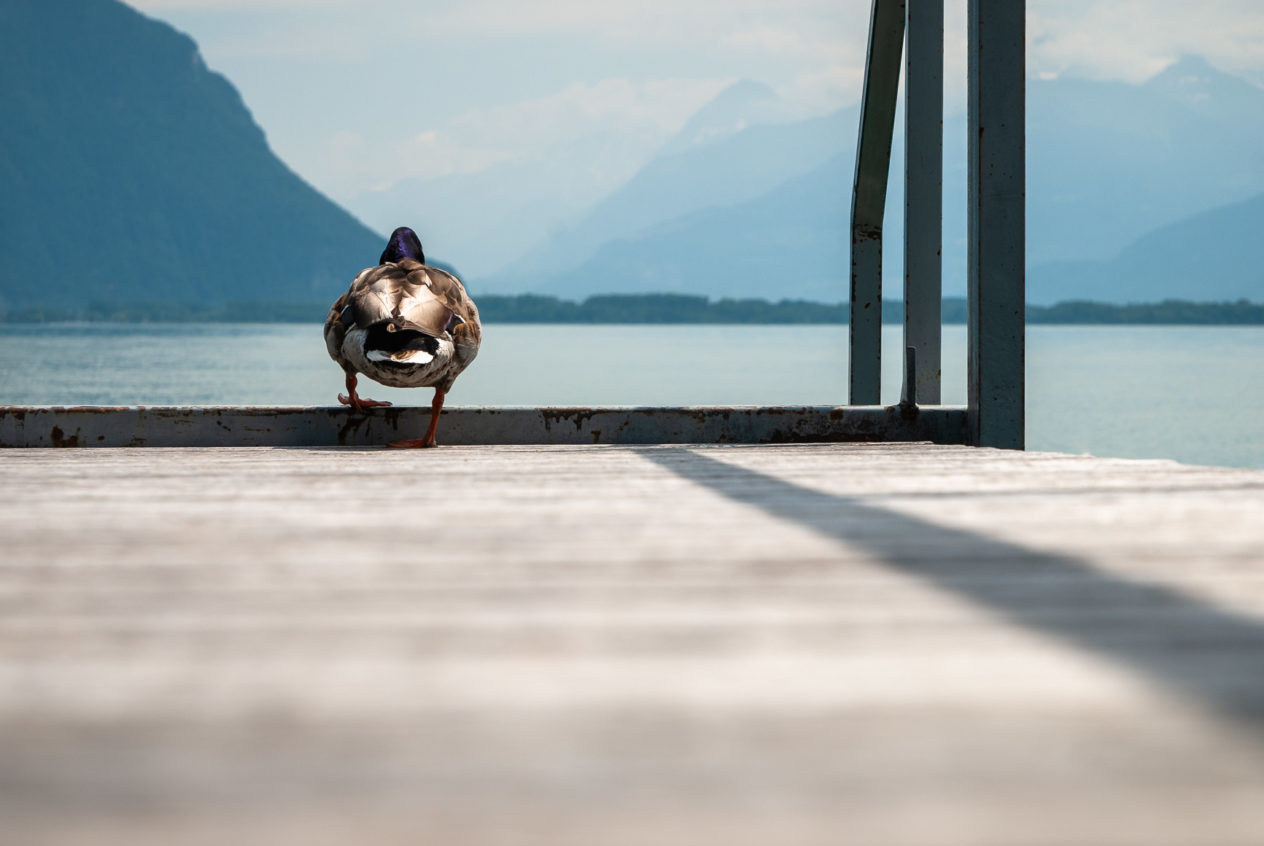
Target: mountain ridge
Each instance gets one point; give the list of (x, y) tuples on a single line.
[(723, 173), (1108, 164), (1213, 255), (134, 172)]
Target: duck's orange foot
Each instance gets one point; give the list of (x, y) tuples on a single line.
[(359, 403), (436, 406)]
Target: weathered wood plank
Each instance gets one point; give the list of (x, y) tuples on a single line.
[(900, 643)]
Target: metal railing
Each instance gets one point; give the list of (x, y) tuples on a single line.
[(996, 215)]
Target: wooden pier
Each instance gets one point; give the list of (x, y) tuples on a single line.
[(787, 644)]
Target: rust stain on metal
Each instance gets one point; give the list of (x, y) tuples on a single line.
[(389, 415), (59, 438), (578, 416), (353, 423)]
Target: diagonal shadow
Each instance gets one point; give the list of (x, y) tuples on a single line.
[(1191, 647)]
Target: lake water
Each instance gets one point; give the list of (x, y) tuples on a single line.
[(1195, 394)]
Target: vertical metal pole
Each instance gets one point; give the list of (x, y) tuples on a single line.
[(923, 192), (997, 198), (868, 200)]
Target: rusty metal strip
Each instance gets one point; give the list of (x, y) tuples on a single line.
[(268, 426)]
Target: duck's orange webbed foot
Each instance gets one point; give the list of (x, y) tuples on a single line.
[(358, 403), (436, 406)]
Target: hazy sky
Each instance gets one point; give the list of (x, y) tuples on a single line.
[(356, 95)]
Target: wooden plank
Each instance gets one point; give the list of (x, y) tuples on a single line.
[(572, 645)]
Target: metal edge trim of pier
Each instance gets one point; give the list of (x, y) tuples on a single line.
[(179, 426)]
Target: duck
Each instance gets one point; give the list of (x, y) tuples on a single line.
[(405, 324)]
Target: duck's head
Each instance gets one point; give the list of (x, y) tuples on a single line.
[(403, 244)]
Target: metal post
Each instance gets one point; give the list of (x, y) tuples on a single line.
[(908, 395), (997, 194), (869, 194), (923, 192)]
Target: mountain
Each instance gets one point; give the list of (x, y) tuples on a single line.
[(791, 243), (1107, 163), (495, 216), (133, 173), (733, 169), (742, 104), (1208, 91), (1214, 256)]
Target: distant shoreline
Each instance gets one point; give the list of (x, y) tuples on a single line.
[(642, 309)]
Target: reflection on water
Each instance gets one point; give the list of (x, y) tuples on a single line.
[(1191, 393)]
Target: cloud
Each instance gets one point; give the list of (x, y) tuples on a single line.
[(1134, 39), (351, 163), (635, 117), (643, 113), (701, 25), (156, 7), (434, 153), (1123, 39), (824, 90), (655, 107)]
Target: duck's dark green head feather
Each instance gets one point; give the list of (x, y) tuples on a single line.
[(403, 244)]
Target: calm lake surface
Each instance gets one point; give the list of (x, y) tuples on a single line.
[(1195, 394)]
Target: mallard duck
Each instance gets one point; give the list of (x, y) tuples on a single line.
[(404, 324)]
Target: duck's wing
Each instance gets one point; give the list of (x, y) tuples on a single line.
[(336, 329), (375, 294), (459, 313)]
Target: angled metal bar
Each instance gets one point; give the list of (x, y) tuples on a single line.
[(997, 198), (923, 193), (868, 199)]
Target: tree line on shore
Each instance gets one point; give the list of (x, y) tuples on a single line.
[(654, 309)]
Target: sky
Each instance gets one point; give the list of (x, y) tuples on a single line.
[(357, 95)]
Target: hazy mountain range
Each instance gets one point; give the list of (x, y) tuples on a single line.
[(493, 216), (1127, 185), (134, 174), (1214, 256)]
